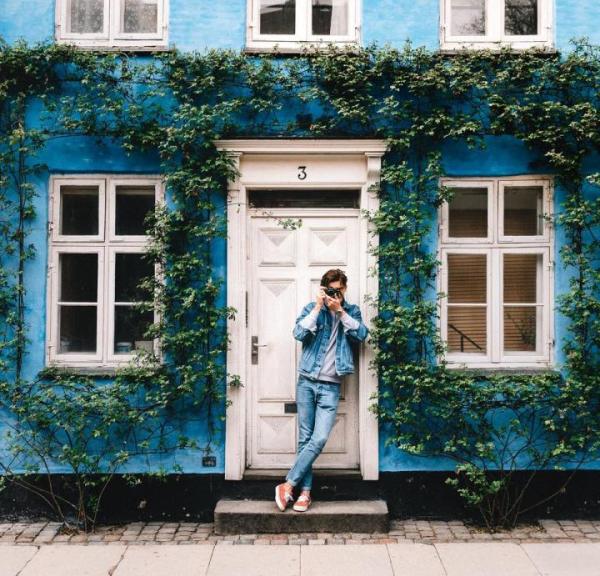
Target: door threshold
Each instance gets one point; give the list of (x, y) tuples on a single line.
[(258, 473)]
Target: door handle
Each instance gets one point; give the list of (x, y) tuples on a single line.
[(254, 349)]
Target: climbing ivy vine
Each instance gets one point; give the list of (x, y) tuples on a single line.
[(176, 106)]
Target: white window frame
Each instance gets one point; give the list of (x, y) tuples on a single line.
[(495, 38), (111, 35), (106, 245), (257, 42), (495, 247)]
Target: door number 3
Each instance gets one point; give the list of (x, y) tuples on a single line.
[(302, 175)]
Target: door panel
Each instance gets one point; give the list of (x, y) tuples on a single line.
[(284, 270)]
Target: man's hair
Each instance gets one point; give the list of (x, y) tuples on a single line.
[(334, 275)]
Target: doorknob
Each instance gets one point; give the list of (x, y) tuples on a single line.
[(255, 347)]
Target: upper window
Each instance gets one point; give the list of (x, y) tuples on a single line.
[(96, 268), (496, 254), (495, 23), (290, 24), (119, 23)]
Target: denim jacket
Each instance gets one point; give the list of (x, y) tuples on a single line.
[(314, 344)]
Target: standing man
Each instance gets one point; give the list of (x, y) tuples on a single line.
[(326, 329)]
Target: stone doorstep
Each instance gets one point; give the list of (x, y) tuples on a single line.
[(263, 516)]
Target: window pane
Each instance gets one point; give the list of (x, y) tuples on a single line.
[(521, 17), (139, 16), (330, 17), (304, 198), (467, 278), (130, 325), (523, 212), (277, 16), (79, 210), (86, 16), (78, 277), (467, 329), (521, 328), (468, 18), (468, 213), (77, 329), (133, 204), (520, 277), (130, 269)]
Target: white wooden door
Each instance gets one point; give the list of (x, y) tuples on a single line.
[(284, 270)]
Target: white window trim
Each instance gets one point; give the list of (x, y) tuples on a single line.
[(110, 36), (303, 39), (495, 37), (106, 247), (495, 246)]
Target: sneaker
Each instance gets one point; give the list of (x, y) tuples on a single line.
[(282, 496), (302, 504)]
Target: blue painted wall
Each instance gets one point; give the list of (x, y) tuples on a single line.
[(201, 24)]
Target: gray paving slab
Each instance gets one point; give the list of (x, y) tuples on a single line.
[(14, 558), (348, 560), (485, 559), (165, 560), (69, 560), (274, 560), (566, 559), (415, 560)]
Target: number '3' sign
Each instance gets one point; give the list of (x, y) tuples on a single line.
[(302, 175)]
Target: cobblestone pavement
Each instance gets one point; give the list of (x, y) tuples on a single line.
[(401, 531)]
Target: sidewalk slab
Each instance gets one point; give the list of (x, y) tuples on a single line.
[(348, 560), (493, 559), (274, 560), (565, 559), (69, 560), (165, 560), (415, 560), (13, 558)]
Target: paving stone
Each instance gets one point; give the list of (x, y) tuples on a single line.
[(276, 559), (67, 560), (14, 558), (491, 559), (415, 560), (164, 561), (348, 560), (565, 559)]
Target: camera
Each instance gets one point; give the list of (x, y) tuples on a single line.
[(332, 292)]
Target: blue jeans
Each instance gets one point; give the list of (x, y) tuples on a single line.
[(317, 403)]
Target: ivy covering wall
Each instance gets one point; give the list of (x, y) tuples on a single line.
[(177, 105)]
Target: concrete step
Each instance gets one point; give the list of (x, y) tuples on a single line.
[(259, 516)]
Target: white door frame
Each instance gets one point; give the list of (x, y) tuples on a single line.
[(338, 163)]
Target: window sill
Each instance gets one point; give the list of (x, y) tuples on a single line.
[(452, 48), (96, 371), (505, 370), (297, 48), (107, 47)]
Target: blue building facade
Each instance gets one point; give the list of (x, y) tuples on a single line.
[(198, 25)]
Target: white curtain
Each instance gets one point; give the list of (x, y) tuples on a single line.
[(86, 16), (339, 17), (337, 10)]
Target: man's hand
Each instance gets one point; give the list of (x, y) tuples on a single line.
[(320, 297), (334, 304)]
